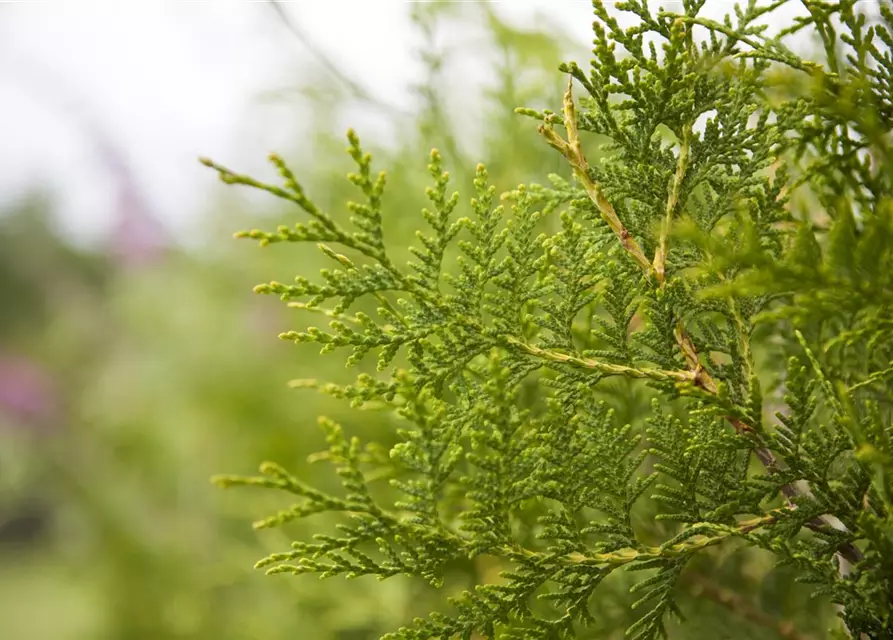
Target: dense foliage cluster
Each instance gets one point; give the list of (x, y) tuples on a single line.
[(696, 354)]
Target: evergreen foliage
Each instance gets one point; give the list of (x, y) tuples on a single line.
[(698, 356)]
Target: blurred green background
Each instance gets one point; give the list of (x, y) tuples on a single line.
[(131, 374)]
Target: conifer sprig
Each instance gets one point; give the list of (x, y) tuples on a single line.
[(727, 261)]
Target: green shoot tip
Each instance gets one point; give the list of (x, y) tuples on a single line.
[(224, 481), (303, 383)]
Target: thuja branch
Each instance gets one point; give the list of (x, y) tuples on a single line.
[(538, 470), (697, 374)]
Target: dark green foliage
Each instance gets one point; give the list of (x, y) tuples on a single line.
[(730, 260)]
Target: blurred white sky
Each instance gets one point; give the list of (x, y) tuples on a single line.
[(171, 80)]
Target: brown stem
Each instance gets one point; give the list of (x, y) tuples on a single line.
[(702, 586), (713, 534), (605, 367), (660, 256), (572, 150)]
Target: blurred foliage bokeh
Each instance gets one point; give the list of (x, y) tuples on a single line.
[(125, 384)]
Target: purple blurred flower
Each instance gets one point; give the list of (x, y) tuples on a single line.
[(27, 392), (138, 238)]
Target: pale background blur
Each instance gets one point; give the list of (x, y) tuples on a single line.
[(167, 81), (135, 361)]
